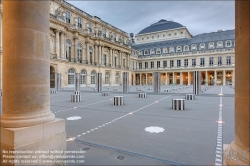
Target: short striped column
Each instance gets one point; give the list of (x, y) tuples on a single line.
[(75, 98), (52, 91), (197, 82), (99, 82), (167, 90), (105, 93), (142, 95), (118, 100), (190, 97), (77, 92), (178, 104), (125, 82)]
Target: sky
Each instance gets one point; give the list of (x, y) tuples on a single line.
[(133, 16)]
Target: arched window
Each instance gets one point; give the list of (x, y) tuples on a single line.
[(186, 48), (165, 50), (107, 78), (219, 44), (211, 45), (68, 49), (171, 49), (152, 51), (202, 46), (158, 51), (178, 49), (228, 43), (140, 52), (146, 52), (194, 47), (83, 77), (117, 76), (79, 51), (71, 77), (93, 75)]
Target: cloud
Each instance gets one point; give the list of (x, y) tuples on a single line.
[(133, 16)]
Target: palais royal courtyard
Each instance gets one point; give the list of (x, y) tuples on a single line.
[(76, 90)]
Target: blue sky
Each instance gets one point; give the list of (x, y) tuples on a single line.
[(133, 16)]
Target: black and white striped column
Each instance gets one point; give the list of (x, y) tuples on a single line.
[(125, 82), (142, 95), (190, 97), (157, 83), (99, 82), (118, 100), (178, 104), (105, 93), (75, 98), (59, 81), (197, 82), (77, 82)]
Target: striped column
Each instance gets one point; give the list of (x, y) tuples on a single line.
[(142, 95), (59, 81), (157, 83), (190, 97), (99, 82), (77, 82), (196, 82), (125, 83), (178, 104), (118, 100)]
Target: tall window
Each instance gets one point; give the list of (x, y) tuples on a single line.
[(219, 61), (115, 61), (93, 74), (117, 76), (83, 77), (104, 32), (178, 63), (123, 62), (164, 64), (158, 64), (89, 26), (171, 63), (211, 61), (90, 55), (115, 36), (186, 62), (107, 76), (67, 17), (140, 65), (193, 62), (71, 77), (152, 65), (79, 22), (104, 59), (146, 65), (228, 60), (202, 62), (68, 49), (79, 51)]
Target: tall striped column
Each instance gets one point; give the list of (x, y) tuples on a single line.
[(77, 82), (99, 82), (197, 82), (157, 83), (59, 81), (125, 82)]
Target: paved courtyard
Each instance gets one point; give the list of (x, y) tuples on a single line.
[(115, 135)]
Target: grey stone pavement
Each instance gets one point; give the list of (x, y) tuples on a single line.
[(115, 135)]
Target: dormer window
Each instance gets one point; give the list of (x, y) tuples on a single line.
[(219, 44), (153, 37), (165, 50), (171, 49), (175, 33), (152, 51), (186, 48), (146, 52), (140, 52), (194, 47), (202, 46), (228, 43), (169, 34), (178, 49), (158, 51), (158, 36), (163, 35), (142, 38), (211, 45)]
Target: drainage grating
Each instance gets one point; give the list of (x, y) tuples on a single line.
[(120, 157)]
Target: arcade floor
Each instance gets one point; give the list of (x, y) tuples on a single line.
[(117, 135)]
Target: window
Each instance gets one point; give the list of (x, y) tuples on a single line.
[(67, 17), (171, 63), (115, 36), (219, 61), (124, 62), (117, 78), (68, 49), (79, 22), (186, 62), (193, 62), (93, 74), (211, 61), (107, 76), (105, 59), (228, 43), (164, 64), (158, 51), (202, 62), (202, 46), (142, 38), (158, 36), (153, 37), (146, 65), (178, 63), (147, 37), (115, 61), (83, 77), (175, 33), (152, 65), (140, 52), (158, 64), (194, 47), (104, 32), (71, 77), (169, 34), (163, 35), (186, 48), (219, 44), (171, 49), (165, 50), (79, 51), (181, 32), (178, 49), (228, 60), (152, 51), (140, 65), (211, 45), (146, 52), (89, 26)]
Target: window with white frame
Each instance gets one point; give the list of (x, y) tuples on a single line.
[(211, 61), (193, 62), (178, 49), (186, 48), (79, 51), (164, 64), (146, 65), (140, 52), (194, 47), (152, 51), (228, 43), (104, 32), (186, 62), (107, 78), (68, 49), (152, 65), (79, 22), (219, 44), (171, 49), (158, 64), (140, 65), (171, 63), (93, 75), (228, 60), (211, 45), (165, 50), (146, 52), (67, 17), (202, 46), (178, 63), (158, 51), (219, 61), (202, 62), (71, 77), (83, 77)]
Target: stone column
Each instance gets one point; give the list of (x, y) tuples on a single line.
[(99, 54), (110, 56), (87, 52), (188, 78), (27, 122), (99, 82), (140, 78), (215, 77), (57, 44), (62, 45), (224, 77), (59, 81), (166, 79), (206, 78), (240, 145), (173, 78), (181, 78), (75, 49), (196, 82), (233, 77), (134, 79), (125, 82), (146, 78), (157, 82), (77, 82), (96, 54)]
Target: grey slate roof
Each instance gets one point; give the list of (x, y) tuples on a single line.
[(160, 26), (198, 39)]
